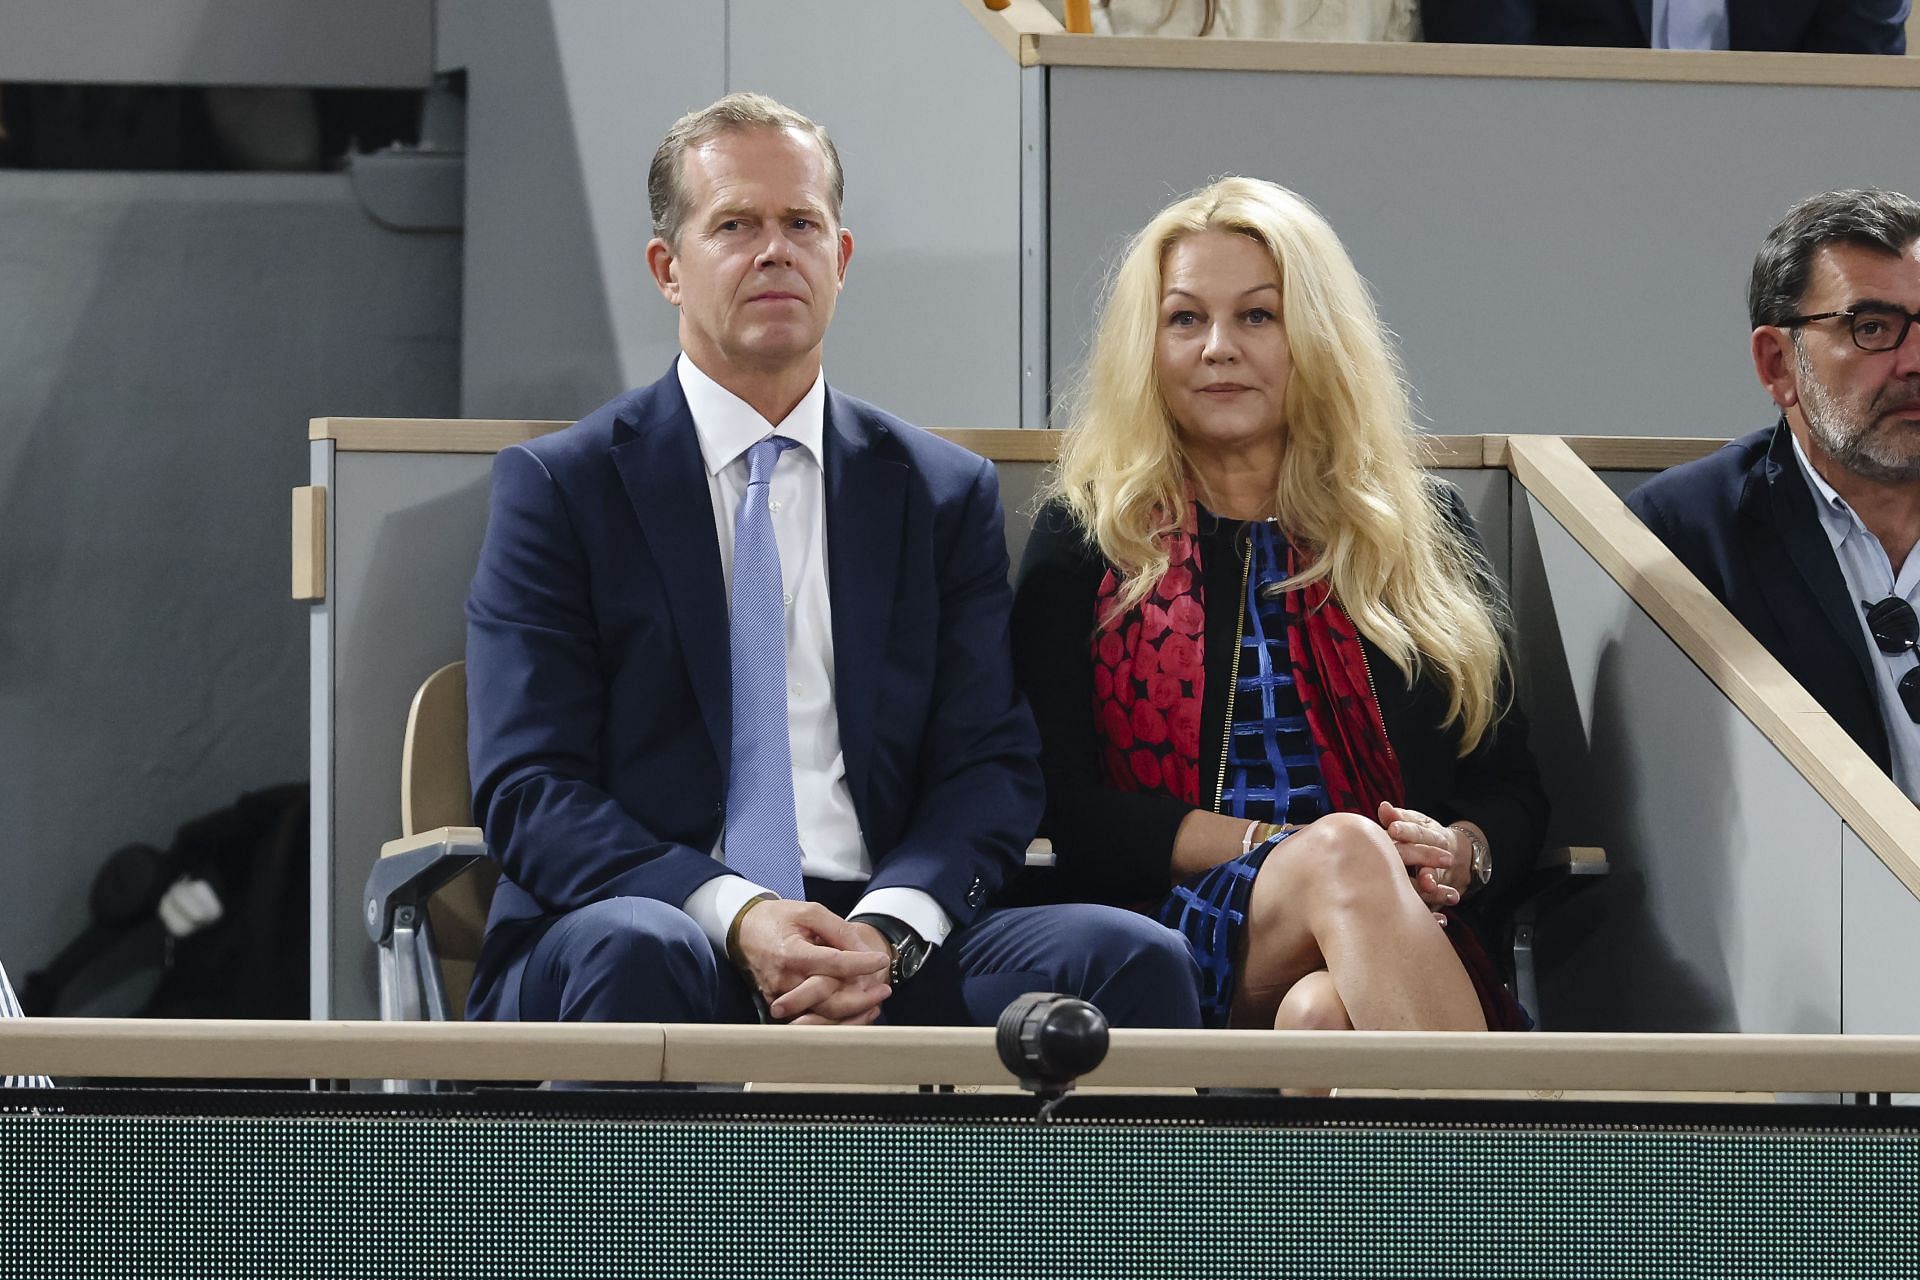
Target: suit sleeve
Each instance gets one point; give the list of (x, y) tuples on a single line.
[(1109, 845), (979, 779), (1857, 26), (1497, 785), (535, 703)]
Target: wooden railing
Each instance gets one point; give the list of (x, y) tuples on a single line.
[(132, 1048)]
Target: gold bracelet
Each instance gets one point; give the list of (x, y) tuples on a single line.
[(733, 930)]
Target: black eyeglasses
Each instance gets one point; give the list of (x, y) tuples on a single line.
[(1874, 328), (1896, 629)]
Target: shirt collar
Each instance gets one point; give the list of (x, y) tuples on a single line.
[(728, 426), (1836, 517)]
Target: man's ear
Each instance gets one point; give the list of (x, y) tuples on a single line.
[(664, 267), (1773, 361), (846, 252)]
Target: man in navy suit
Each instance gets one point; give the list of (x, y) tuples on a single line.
[(1806, 530), (1792, 26), (743, 730)]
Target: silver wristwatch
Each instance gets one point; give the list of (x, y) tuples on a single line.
[(1482, 856)]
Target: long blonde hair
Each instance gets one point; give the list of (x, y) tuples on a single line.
[(1352, 495)]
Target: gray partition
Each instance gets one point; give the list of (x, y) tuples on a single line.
[(1723, 908), (1549, 251)]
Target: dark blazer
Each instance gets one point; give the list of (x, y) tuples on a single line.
[(1743, 520), (1804, 26), (597, 666), (1117, 846)]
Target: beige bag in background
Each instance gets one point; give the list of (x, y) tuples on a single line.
[(1351, 20)]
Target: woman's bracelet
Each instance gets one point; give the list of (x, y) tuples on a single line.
[(1259, 833)]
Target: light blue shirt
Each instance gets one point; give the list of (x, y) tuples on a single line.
[(1865, 565), (10, 1008), (1690, 24)]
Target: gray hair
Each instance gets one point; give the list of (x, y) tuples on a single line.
[(1870, 218), (735, 113)]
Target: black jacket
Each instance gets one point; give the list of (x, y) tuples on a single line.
[(1743, 520), (1115, 846)]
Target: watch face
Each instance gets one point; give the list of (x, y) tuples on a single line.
[(908, 957)]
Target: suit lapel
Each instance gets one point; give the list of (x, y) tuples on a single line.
[(1777, 496), (666, 481), (866, 498)]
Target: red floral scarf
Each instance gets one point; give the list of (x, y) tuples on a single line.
[(1149, 683)]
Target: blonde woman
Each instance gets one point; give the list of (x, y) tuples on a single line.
[(1263, 646)]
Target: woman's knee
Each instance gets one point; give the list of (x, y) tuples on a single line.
[(1313, 1004), (1347, 862)]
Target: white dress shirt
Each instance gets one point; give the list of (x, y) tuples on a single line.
[(1868, 569), (831, 845), (10, 1008)]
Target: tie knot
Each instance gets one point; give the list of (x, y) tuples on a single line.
[(763, 454)]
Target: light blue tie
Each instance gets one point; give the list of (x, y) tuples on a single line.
[(763, 841)]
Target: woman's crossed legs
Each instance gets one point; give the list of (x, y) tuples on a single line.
[(1337, 937)]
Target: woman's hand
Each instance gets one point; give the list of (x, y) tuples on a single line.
[(1431, 851)]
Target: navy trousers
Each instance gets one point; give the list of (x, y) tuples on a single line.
[(640, 960)]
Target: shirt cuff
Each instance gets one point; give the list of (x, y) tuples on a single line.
[(714, 904), (912, 907)]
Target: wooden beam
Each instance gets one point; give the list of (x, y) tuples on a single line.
[(1516, 62), (309, 542)]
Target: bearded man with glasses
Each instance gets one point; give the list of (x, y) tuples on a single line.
[(1806, 530)]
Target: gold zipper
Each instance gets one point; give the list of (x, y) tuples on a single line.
[(1233, 677), (1368, 668)]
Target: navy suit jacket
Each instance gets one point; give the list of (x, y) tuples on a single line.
[(1804, 26), (598, 672), (1743, 520)]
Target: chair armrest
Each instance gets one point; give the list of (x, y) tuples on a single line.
[(413, 869), (1040, 853), (1575, 860), (1560, 873)]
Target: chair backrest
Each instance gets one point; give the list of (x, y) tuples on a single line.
[(435, 792)]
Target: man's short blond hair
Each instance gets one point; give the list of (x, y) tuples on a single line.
[(734, 113)]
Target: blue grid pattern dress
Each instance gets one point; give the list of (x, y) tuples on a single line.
[(1272, 774)]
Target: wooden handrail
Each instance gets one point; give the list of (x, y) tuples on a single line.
[(157, 1049), (1015, 24)]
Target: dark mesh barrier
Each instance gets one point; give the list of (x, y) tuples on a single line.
[(743, 1186)]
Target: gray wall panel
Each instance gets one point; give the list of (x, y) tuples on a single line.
[(343, 43), (1546, 269), (1882, 946), (560, 313), (1723, 911), (407, 531), (925, 111), (566, 100), (161, 348)]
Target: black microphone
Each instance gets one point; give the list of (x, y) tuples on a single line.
[(1049, 1040)]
